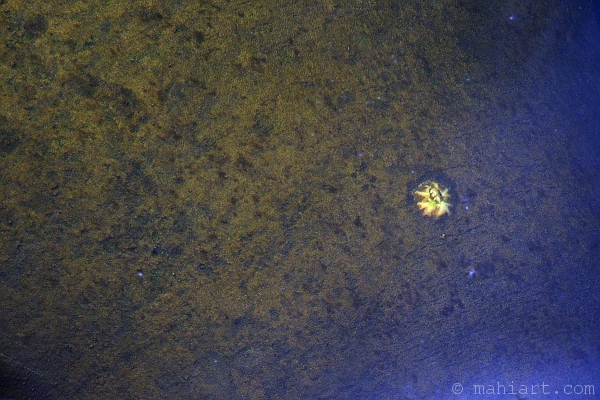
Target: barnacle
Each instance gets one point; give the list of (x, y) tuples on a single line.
[(433, 199)]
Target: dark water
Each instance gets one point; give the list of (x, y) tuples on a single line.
[(214, 200)]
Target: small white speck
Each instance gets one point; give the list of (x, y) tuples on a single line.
[(472, 272)]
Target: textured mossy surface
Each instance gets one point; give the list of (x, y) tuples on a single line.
[(214, 199)]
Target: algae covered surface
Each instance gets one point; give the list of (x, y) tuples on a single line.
[(214, 199)]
